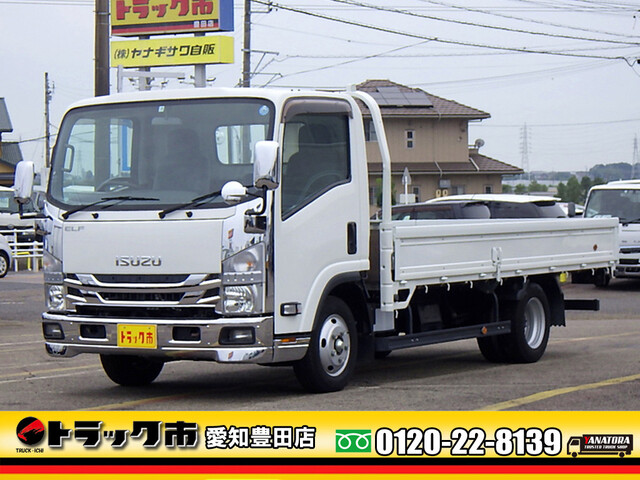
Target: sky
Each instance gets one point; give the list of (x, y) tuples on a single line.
[(559, 78)]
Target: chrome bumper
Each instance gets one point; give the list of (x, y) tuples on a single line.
[(264, 350)]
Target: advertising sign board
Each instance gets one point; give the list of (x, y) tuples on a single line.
[(172, 51), (153, 17)]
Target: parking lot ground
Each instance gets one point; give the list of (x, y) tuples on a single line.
[(591, 364)]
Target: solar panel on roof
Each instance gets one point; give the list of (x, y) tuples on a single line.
[(394, 97)]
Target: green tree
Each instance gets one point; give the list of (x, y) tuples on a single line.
[(537, 187), (574, 191), (507, 188), (562, 191), (520, 188)]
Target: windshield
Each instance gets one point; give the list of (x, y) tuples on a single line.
[(157, 153), (621, 203)]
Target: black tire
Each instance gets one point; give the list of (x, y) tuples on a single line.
[(494, 348), (382, 354), (530, 323), (330, 359), (5, 263), (602, 278), (129, 370)]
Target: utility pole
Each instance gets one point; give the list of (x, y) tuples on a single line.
[(48, 92), (634, 161), (101, 75), (524, 148), (246, 48)]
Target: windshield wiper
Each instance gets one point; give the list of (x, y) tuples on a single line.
[(68, 213), (624, 221), (192, 203)]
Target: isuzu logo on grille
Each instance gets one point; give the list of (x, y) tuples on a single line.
[(138, 261)]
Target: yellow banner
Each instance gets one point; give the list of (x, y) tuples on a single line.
[(172, 51), (150, 17), (327, 436)]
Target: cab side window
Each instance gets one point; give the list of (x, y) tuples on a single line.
[(316, 157)]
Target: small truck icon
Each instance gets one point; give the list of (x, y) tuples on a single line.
[(621, 445)]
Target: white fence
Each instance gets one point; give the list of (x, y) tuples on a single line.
[(26, 251)]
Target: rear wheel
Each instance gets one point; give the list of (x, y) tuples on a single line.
[(330, 359), (530, 323), (131, 371)]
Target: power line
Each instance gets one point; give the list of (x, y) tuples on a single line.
[(366, 57), (472, 24), (513, 17), (555, 125), (437, 39)]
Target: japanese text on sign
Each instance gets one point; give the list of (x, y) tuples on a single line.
[(145, 17), (172, 51)]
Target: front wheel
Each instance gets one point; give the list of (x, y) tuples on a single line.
[(129, 370), (4, 264), (530, 323), (330, 359)]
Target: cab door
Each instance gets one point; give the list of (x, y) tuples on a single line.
[(320, 210)]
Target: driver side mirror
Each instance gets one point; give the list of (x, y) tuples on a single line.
[(23, 181), (265, 161)]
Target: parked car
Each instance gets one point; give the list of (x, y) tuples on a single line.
[(5, 256), (512, 206), (441, 210)]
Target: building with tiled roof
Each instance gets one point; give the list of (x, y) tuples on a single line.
[(10, 153), (428, 136)]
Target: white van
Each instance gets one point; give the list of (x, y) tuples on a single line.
[(10, 217)]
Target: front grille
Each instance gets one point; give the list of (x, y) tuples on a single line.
[(141, 278), (141, 297), (629, 261), (143, 290), (630, 250)]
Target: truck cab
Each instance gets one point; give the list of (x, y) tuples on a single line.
[(620, 199)]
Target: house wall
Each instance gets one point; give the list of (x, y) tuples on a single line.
[(7, 172), (434, 140), (441, 141)]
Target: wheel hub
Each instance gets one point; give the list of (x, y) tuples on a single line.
[(335, 344)]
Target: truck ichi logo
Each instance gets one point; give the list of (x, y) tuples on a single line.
[(600, 445), (138, 261), (30, 431), (354, 441)]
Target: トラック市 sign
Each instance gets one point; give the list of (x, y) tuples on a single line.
[(153, 17)]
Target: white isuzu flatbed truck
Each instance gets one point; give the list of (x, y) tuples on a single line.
[(232, 225)]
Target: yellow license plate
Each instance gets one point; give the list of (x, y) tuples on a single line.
[(137, 336)]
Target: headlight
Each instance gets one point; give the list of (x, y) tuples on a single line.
[(240, 299), (54, 295), (53, 278), (243, 282)]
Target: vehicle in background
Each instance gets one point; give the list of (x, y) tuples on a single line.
[(10, 219), (619, 199), (572, 209), (5, 256), (442, 210), (504, 205)]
